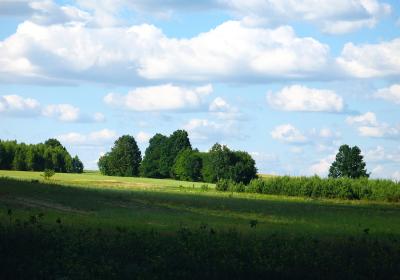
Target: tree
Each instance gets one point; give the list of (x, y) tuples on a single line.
[(51, 142), (77, 165), (177, 141), (217, 163), (188, 165), (124, 158), (244, 168), (150, 166), (348, 163)]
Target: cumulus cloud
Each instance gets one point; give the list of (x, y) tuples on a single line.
[(18, 106), (336, 17), (143, 137), (69, 113), (304, 99), (289, 134), (368, 126), (321, 167), (371, 60), (15, 105), (44, 12), (380, 154), (391, 94), (231, 51), (203, 130), (367, 119), (160, 98), (94, 138), (220, 108)]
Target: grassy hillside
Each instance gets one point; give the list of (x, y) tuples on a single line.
[(90, 226), (94, 200)]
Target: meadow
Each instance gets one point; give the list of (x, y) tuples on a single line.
[(192, 224)]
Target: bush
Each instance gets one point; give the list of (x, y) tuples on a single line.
[(48, 173), (343, 188)]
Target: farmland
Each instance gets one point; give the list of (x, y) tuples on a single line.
[(91, 202)]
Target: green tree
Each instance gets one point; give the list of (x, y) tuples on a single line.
[(177, 141), (77, 165), (124, 158), (348, 163), (244, 168), (188, 165), (20, 158), (150, 166), (103, 164), (217, 163)]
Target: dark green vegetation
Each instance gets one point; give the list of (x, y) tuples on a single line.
[(173, 157), (90, 226), (348, 163), (123, 160), (50, 155), (314, 187)]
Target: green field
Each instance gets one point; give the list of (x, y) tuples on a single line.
[(91, 199), (92, 226)]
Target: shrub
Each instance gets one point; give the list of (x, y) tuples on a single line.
[(48, 173)]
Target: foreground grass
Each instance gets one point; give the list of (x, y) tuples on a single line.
[(90, 226), (93, 200)]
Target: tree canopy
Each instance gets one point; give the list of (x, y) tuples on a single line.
[(38, 157), (348, 163), (123, 159)]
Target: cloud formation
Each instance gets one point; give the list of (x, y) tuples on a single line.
[(368, 126), (95, 138), (305, 99), (15, 105), (160, 98), (391, 94), (371, 60), (289, 134)]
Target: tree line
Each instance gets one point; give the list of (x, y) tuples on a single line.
[(49, 155), (173, 157)]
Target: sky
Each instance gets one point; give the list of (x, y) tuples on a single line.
[(287, 81)]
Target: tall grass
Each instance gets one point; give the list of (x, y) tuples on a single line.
[(343, 188)]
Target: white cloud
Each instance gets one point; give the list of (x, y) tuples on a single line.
[(288, 133), (340, 16), (371, 60), (391, 94), (143, 137), (69, 113), (368, 119), (160, 98), (377, 171), (95, 138), (321, 167), (368, 126), (205, 130), (63, 112), (231, 51), (379, 154), (301, 98), (15, 105), (223, 110)]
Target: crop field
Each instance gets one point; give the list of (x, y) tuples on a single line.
[(94, 203)]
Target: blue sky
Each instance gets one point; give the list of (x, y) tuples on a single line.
[(287, 81)]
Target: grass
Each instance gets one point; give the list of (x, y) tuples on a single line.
[(93, 200), (90, 226)]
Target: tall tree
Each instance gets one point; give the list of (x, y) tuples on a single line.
[(177, 141), (124, 158), (77, 165), (150, 166), (348, 163), (188, 165)]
